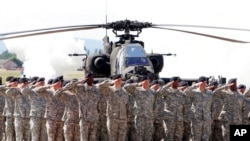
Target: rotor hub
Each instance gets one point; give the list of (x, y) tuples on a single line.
[(127, 25)]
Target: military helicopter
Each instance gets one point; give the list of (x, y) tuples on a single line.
[(126, 56)]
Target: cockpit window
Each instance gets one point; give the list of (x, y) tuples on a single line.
[(135, 55), (135, 51)]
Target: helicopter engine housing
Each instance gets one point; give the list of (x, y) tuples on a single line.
[(157, 62), (99, 65)]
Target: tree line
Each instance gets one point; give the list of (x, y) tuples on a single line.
[(6, 55)]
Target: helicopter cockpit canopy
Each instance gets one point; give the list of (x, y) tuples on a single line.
[(135, 56), (131, 60)]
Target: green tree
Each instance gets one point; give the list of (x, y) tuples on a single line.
[(6, 55), (12, 56), (17, 61)]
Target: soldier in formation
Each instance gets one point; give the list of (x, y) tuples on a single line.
[(22, 111), (217, 104), (2, 118), (70, 117), (145, 99), (173, 110), (246, 108), (231, 113), (11, 82), (88, 98), (132, 106), (187, 112), (241, 88), (112, 110), (158, 133), (54, 110), (201, 99), (102, 131), (38, 125), (117, 108)]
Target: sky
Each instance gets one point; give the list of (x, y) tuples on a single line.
[(196, 55)]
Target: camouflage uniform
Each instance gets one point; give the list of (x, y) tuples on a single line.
[(102, 131), (144, 119), (71, 115), (53, 114), (187, 119), (2, 117), (216, 127), (37, 110), (132, 112), (88, 99), (201, 112), (8, 113), (158, 121), (21, 114), (173, 113), (246, 108), (231, 113), (117, 108)]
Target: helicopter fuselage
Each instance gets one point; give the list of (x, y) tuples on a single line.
[(131, 60)]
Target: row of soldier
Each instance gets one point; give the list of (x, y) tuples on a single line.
[(114, 111)]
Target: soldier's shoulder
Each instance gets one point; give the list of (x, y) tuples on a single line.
[(13, 90), (67, 92), (209, 91), (26, 89), (81, 87), (95, 88)]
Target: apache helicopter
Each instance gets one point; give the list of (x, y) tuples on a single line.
[(126, 56)]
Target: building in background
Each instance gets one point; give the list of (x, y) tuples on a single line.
[(7, 64)]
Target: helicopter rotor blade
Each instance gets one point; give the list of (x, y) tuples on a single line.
[(202, 34), (45, 31), (52, 28), (200, 26), (119, 25)]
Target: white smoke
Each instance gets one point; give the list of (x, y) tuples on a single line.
[(47, 55)]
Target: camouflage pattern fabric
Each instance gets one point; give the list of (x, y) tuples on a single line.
[(145, 100), (2, 117), (144, 129), (88, 130), (21, 114), (54, 130), (201, 112), (117, 109), (132, 112), (37, 110), (159, 130), (38, 129), (71, 115), (246, 108), (8, 112), (2, 127), (102, 131), (187, 119), (117, 129), (231, 113), (71, 132), (217, 131), (173, 112), (216, 127), (9, 129), (22, 129), (53, 114), (89, 99)]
